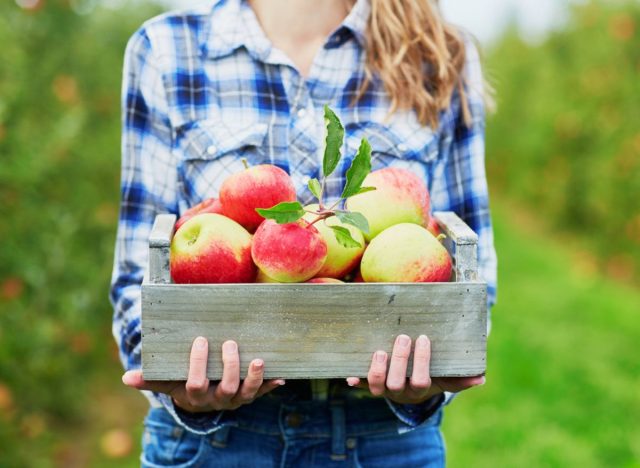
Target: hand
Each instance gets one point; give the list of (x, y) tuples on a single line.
[(420, 387), (196, 395)]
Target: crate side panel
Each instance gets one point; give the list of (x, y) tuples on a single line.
[(312, 331)]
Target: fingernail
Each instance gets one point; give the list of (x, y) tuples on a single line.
[(404, 341), (381, 356), (258, 364), (483, 381), (280, 382), (351, 381), (200, 343), (229, 346), (125, 378), (422, 340)]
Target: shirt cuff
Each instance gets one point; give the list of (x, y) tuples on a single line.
[(413, 415), (197, 423)]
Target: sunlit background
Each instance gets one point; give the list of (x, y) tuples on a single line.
[(563, 159)]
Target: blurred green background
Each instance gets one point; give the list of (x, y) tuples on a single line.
[(564, 166)]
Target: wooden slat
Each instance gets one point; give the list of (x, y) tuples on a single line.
[(159, 248), (312, 330)]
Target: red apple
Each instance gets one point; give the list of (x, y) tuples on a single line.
[(432, 227), (288, 253), (211, 248), (210, 205), (324, 281), (256, 187)]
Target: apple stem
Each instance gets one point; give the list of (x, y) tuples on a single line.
[(245, 163), (321, 216)]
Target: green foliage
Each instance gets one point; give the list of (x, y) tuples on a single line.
[(59, 185), (566, 138), (563, 373), (283, 213)]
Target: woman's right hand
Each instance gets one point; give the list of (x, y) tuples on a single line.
[(197, 395)]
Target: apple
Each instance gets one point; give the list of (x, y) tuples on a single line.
[(260, 186), (288, 253), (211, 248), (400, 197), (324, 281), (210, 205), (340, 260), (432, 227), (405, 253), (263, 278)]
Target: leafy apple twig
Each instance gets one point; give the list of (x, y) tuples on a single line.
[(289, 212)]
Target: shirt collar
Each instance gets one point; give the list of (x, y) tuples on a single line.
[(357, 20), (233, 24)]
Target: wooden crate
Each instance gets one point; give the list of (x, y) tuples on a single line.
[(314, 330)]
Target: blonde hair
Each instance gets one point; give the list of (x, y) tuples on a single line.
[(418, 57)]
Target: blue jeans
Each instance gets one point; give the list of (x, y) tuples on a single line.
[(272, 432)]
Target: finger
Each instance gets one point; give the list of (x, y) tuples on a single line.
[(457, 384), (134, 379), (269, 386), (197, 384), (228, 386), (397, 377), (420, 380), (353, 381), (251, 384), (377, 373)]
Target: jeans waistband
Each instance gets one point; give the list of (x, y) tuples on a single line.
[(273, 415)]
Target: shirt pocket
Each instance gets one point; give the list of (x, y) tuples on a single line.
[(396, 144), (208, 151)]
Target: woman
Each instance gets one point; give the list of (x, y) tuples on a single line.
[(242, 79)]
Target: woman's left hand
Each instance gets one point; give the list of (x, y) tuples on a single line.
[(394, 384)]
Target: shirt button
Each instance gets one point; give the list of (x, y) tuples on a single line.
[(301, 113), (402, 147), (294, 420), (211, 150)]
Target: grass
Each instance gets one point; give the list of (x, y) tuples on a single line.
[(563, 377)]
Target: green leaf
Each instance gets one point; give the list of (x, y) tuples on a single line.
[(315, 187), (354, 219), (343, 236), (365, 190), (335, 137), (360, 168), (283, 213)]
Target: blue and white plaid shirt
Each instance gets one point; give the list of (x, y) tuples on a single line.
[(203, 89)]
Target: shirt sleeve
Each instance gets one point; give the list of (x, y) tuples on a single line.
[(148, 187), (459, 184)]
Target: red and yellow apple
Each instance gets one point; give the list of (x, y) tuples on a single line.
[(324, 281), (340, 260), (261, 277), (210, 205), (405, 253), (260, 186), (288, 253), (211, 248), (432, 227), (400, 197)]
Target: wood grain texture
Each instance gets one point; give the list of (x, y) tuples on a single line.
[(312, 330), (159, 249), (461, 242)]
